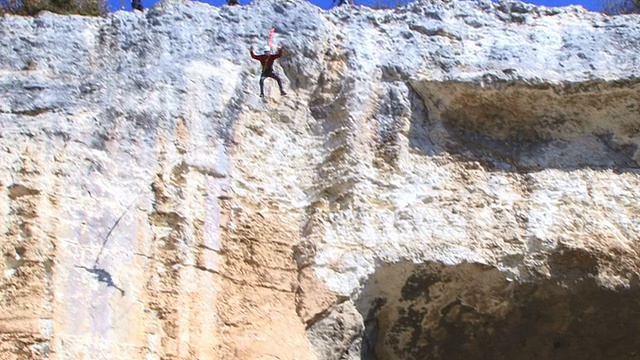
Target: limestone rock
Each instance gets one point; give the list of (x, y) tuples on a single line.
[(338, 335), (449, 179)]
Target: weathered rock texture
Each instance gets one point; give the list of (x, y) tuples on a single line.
[(448, 180)]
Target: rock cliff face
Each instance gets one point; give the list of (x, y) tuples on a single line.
[(448, 180)]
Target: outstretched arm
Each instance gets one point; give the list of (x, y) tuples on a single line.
[(279, 53), (253, 56)]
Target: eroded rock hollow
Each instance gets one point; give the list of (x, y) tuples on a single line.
[(472, 311)]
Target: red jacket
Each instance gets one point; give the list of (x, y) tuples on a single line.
[(266, 60)]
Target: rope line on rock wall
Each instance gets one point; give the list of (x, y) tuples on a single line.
[(140, 193), (270, 40), (102, 275), (335, 98), (106, 239)]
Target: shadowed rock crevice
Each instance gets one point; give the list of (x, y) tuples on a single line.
[(338, 335), (393, 109), (472, 311), (517, 126)]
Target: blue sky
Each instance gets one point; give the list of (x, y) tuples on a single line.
[(593, 5)]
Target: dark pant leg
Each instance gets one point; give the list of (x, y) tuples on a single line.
[(262, 84), (272, 75), (275, 76)]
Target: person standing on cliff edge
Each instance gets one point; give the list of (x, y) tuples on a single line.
[(267, 60), (137, 5)]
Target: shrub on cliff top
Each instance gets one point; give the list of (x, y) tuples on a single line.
[(33, 7), (617, 7), (388, 4)]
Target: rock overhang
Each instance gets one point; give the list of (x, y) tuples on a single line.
[(583, 124)]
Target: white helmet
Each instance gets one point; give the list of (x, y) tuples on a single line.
[(267, 49)]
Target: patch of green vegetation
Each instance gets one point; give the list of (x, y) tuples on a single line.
[(65, 7)]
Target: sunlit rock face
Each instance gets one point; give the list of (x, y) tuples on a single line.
[(446, 180)]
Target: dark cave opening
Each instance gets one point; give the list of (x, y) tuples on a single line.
[(472, 311)]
